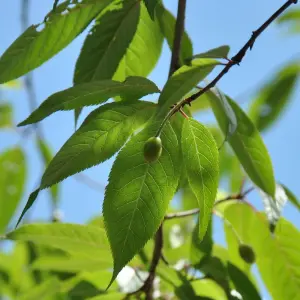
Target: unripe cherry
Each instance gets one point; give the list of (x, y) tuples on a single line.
[(247, 254), (152, 149)]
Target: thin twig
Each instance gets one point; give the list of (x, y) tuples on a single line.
[(235, 60), (182, 214), (179, 30)]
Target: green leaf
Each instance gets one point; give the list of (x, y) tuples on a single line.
[(219, 52), (12, 182), (35, 46), (242, 283), (6, 118), (28, 205), (72, 264), (274, 206), (82, 240), (293, 199), (109, 296), (101, 135), (274, 97), (138, 194), (201, 248), (201, 160), (151, 4), (92, 93), (277, 255), (206, 288), (45, 290), (107, 42), (248, 147), (47, 157), (292, 18), (144, 50), (167, 26), (182, 81)]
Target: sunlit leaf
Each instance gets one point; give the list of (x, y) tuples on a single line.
[(93, 93), (82, 240), (6, 117), (291, 17), (167, 26), (248, 147), (219, 52), (138, 194), (182, 81), (35, 46), (201, 159), (274, 97), (107, 42), (12, 182), (140, 58), (291, 196)]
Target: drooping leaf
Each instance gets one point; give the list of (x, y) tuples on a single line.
[(201, 160), (242, 283), (101, 135), (34, 47), (12, 182), (92, 93), (248, 147), (49, 288), (274, 97), (167, 26), (29, 203), (140, 58), (277, 255), (151, 4), (182, 81), (107, 42), (6, 118), (219, 52), (274, 206), (293, 199), (47, 157), (138, 194), (81, 240)]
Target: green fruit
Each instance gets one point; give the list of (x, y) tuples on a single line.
[(152, 149), (247, 253)]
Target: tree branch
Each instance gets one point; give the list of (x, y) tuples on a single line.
[(179, 29), (235, 60)]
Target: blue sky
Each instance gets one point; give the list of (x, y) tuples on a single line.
[(209, 24)]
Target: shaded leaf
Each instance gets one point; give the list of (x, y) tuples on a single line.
[(92, 93), (101, 135), (242, 283), (107, 42), (219, 52), (274, 97), (248, 147), (182, 81), (12, 182), (167, 26), (151, 4), (6, 118), (34, 47), (201, 159), (138, 194)]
